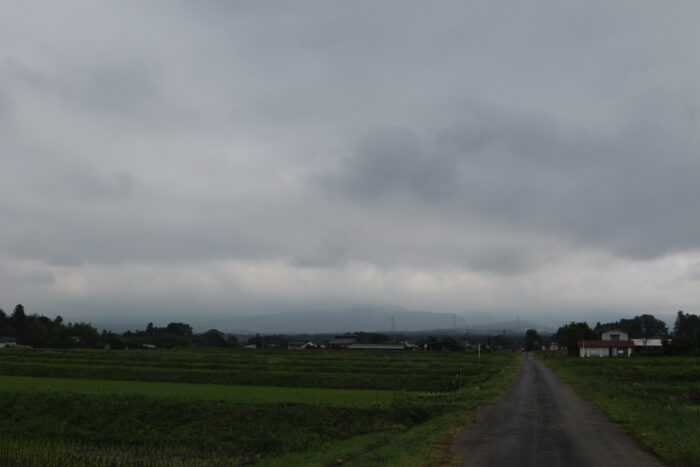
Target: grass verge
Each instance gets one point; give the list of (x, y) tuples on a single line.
[(655, 400)]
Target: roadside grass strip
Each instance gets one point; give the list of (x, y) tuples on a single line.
[(656, 400)]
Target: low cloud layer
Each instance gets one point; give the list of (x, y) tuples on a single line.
[(244, 158)]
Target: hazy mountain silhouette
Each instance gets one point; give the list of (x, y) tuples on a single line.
[(371, 319)]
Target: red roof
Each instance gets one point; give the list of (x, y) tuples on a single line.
[(605, 344)]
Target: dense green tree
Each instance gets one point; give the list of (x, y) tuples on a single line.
[(686, 325), (643, 327), (5, 324), (570, 334), (213, 338), (35, 331), (84, 335), (18, 316), (533, 340), (257, 341), (179, 329)]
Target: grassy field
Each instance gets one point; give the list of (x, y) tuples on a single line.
[(346, 370), (656, 399), (189, 391), (364, 408)]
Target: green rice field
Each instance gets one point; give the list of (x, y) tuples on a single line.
[(239, 407)]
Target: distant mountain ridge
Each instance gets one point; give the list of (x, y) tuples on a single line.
[(369, 319)]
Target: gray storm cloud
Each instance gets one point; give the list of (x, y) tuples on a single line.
[(246, 155), (630, 190)]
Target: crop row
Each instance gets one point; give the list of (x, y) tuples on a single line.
[(257, 366), (442, 382), (72, 421), (62, 452), (353, 359), (215, 392), (119, 426)]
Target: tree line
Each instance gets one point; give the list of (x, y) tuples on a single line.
[(39, 331), (683, 339)]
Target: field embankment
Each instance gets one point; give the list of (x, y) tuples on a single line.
[(237, 407), (656, 400)]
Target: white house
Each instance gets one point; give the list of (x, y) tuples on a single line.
[(614, 343), (615, 335)]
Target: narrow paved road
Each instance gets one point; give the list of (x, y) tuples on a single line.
[(540, 421)]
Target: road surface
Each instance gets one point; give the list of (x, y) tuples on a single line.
[(540, 421)]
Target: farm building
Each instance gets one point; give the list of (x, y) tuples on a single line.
[(342, 341), (368, 346), (614, 343), (7, 342), (301, 345)]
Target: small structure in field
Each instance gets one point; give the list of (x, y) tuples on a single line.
[(651, 342), (370, 346), (614, 343), (6, 341), (301, 345)]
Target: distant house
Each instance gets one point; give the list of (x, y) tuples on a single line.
[(301, 345), (410, 346), (368, 346), (614, 343), (7, 342), (554, 346), (343, 341), (614, 335), (149, 346)]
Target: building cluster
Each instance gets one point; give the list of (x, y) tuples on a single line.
[(615, 343)]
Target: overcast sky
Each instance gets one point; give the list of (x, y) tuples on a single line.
[(249, 157)]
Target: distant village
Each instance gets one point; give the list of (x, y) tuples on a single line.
[(641, 335)]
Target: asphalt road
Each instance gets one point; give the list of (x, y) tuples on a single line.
[(540, 421)]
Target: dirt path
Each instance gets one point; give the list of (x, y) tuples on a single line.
[(541, 422)]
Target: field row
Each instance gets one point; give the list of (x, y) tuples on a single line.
[(51, 420), (383, 371), (249, 359), (188, 392)]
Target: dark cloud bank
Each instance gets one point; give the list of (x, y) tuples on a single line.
[(250, 158)]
